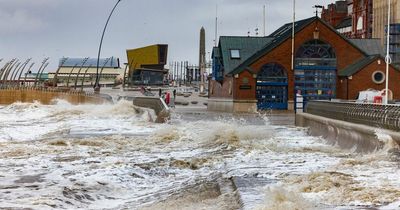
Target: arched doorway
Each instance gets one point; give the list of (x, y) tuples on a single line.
[(272, 86), (315, 71)]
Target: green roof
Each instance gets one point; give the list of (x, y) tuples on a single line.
[(247, 46), (284, 33), (357, 66), (280, 35)]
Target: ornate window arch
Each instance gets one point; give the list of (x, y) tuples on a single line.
[(316, 53), (272, 72)]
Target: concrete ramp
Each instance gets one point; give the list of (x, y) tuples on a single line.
[(157, 104)]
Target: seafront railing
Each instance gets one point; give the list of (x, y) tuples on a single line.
[(376, 115)]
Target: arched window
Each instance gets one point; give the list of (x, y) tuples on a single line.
[(272, 87), (316, 53), (360, 24), (315, 71), (272, 72)]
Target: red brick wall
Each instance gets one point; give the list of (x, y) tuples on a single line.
[(345, 52), (361, 9), (218, 90), (362, 80), (245, 94), (332, 16)]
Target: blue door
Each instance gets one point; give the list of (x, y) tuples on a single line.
[(315, 71), (272, 87)]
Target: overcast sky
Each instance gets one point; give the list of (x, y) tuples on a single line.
[(72, 28)]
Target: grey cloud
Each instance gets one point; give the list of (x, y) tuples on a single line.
[(59, 28)]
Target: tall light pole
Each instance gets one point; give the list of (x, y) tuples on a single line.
[(388, 60), (294, 20), (264, 20), (97, 82)]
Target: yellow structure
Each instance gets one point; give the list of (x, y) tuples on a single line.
[(152, 57), (380, 11), (146, 65)]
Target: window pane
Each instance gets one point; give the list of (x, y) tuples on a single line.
[(235, 54)]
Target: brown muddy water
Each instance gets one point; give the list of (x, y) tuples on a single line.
[(113, 156)]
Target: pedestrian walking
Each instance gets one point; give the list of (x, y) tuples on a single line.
[(167, 98)]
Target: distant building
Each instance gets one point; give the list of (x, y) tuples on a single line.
[(356, 22), (192, 74), (146, 65), (74, 70), (361, 18), (335, 13), (345, 27), (367, 19), (380, 9), (255, 73), (394, 44)]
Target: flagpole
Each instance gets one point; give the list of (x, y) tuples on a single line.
[(294, 19), (387, 58)]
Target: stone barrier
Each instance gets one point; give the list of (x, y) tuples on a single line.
[(157, 104), (359, 127), (47, 96)]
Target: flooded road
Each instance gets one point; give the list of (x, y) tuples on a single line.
[(67, 156)]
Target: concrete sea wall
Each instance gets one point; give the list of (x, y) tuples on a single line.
[(233, 106), (157, 104), (363, 127)]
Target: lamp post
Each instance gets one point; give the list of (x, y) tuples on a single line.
[(97, 82), (294, 20), (388, 60)]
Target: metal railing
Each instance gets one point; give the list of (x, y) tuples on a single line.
[(376, 115)]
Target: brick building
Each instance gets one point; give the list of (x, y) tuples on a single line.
[(251, 73), (362, 18), (335, 13), (357, 23)]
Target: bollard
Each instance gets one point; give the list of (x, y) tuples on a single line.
[(299, 103)]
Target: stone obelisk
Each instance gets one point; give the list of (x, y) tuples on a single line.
[(202, 58)]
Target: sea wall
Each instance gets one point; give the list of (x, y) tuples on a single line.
[(46, 96), (361, 127)]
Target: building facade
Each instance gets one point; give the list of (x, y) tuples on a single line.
[(256, 73), (394, 44), (335, 13), (361, 13), (380, 11), (83, 72), (357, 23), (146, 65)]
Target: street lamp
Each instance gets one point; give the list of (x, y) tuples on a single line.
[(97, 82), (388, 60), (293, 24)]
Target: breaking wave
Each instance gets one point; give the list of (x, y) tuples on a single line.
[(279, 198), (114, 156)]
